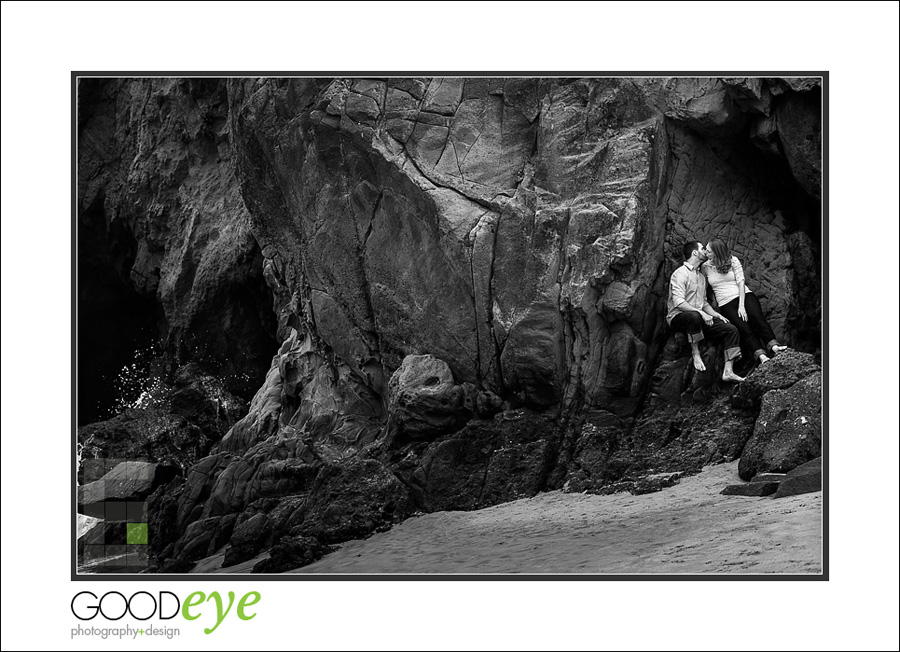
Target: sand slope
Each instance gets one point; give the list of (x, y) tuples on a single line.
[(688, 528)]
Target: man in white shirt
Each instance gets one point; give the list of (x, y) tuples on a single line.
[(689, 312)]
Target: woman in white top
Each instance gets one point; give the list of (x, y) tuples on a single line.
[(737, 302)]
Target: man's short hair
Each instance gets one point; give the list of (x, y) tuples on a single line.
[(689, 248)]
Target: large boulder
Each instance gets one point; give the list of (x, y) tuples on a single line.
[(751, 489), (806, 478), (424, 399), (788, 430), (781, 372)]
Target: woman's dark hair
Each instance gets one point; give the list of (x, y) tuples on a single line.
[(721, 259)]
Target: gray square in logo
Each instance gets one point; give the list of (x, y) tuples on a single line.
[(135, 512), (136, 556), (115, 555), (93, 553), (116, 511), (96, 510), (114, 533)]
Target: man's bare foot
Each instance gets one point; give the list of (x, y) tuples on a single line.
[(698, 363), (730, 376), (778, 348), (763, 358)]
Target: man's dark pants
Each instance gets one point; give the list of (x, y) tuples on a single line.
[(719, 331)]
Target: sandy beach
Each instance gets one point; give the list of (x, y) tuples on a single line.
[(688, 528)]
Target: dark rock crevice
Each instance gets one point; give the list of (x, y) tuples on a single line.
[(170, 160), (117, 325), (498, 381)]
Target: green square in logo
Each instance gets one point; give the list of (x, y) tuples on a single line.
[(136, 533)]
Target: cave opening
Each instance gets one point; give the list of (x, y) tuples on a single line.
[(794, 198), (126, 345), (117, 334)]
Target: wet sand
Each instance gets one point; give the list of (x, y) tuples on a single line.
[(688, 528)]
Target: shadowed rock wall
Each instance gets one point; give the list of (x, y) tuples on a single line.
[(164, 230)]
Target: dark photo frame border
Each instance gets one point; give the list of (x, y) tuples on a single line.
[(823, 576)]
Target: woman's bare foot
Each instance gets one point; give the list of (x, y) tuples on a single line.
[(698, 363), (730, 376), (763, 358), (778, 348)]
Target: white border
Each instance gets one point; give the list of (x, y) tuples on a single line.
[(857, 43)]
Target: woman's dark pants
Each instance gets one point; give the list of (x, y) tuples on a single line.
[(755, 330)]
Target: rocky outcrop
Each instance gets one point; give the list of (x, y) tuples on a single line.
[(467, 279), (751, 489), (788, 431), (170, 423), (485, 463), (806, 478), (351, 501), (520, 230), (247, 539), (802, 479), (781, 372), (425, 401), (292, 552)]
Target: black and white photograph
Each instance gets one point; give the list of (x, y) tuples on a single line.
[(450, 325)]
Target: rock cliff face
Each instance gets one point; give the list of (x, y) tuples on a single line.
[(462, 281)]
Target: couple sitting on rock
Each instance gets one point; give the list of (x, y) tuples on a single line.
[(741, 320)]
